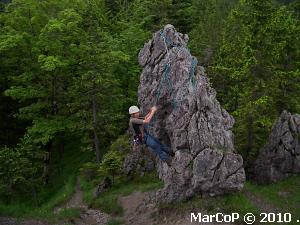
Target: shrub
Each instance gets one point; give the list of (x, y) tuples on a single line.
[(121, 144), (89, 171), (111, 164)]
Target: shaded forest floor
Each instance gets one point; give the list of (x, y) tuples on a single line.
[(70, 199), (122, 204)]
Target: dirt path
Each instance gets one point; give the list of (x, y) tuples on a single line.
[(14, 221), (138, 210), (87, 216), (76, 201), (261, 204), (184, 218)]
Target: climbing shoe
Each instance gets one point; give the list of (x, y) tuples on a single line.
[(171, 153)]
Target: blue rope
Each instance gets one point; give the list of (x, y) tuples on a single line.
[(192, 71), (168, 40)]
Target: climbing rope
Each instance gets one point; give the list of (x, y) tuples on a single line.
[(192, 71), (166, 71)]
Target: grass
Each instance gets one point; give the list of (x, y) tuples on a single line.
[(114, 222), (229, 203), (69, 213), (108, 201), (284, 194), (58, 191), (27, 210), (87, 188)]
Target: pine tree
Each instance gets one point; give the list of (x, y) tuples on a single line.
[(256, 70)]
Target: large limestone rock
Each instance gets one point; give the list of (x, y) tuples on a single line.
[(189, 119), (280, 157), (138, 161)]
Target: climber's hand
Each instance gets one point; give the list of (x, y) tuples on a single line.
[(154, 109)]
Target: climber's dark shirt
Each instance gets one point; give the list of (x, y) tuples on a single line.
[(136, 125)]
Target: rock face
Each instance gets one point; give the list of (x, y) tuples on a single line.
[(280, 157), (138, 161), (189, 119)]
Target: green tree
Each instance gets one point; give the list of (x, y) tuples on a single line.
[(256, 71), (111, 164), (59, 58), (208, 19), (95, 91), (20, 170)]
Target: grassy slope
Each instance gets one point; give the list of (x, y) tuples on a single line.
[(108, 201), (284, 195), (59, 190)]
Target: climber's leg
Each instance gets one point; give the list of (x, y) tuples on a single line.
[(156, 146), (165, 148)]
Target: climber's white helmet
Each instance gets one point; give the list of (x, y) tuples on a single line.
[(133, 109)]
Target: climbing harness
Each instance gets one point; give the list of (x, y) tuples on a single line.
[(138, 139)]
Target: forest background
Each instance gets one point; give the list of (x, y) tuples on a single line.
[(69, 72)]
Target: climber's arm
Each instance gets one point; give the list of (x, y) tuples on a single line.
[(150, 115), (147, 116)]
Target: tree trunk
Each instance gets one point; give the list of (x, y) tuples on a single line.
[(250, 134), (61, 145), (96, 139), (49, 145), (47, 162)]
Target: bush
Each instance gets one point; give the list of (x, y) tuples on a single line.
[(109, 203), (111, 164), (121, 144), (20, 170), (89, 171)]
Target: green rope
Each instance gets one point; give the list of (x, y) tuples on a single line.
[(167, 68), (166, 72)]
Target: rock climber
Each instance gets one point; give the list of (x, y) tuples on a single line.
[(141, 136)]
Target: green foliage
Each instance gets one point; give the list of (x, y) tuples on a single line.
[(88, 186), (256, 71), (69, 213), (69, 68), (25, 203), (114, 222), (89, 170), (108, 201), (20, 170), (283, 194), (121, 144), (112, 163), (208, 19), (58, 59), (109, 204)]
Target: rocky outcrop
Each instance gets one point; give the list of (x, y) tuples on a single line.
[(138, 161), (102, 187), (189, 119), (280, 157)]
